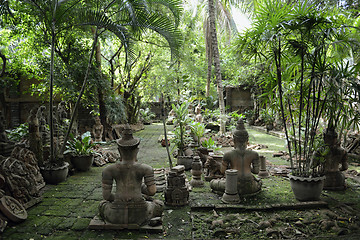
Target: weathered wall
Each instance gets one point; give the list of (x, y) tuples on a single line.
[(238, 98)]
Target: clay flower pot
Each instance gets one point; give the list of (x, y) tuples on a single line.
[(307, 188), (82, 163), (55, 174)]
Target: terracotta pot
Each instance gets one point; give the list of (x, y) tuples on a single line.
[(55, 175), (82, 163), (305, 188)]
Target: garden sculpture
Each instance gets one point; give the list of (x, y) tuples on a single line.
[(35, 143), (98, 130), (127, 207), (198, 116), (42, 125), (6, 146), (22, 176), (333, 159), (244, 160), (176, 192)]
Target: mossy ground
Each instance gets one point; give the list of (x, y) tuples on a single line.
[(67, 208)]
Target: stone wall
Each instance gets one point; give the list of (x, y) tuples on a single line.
[(238, 98)]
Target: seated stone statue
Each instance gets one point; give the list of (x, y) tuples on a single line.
[(333, 159), (246, 161), (127, 205)]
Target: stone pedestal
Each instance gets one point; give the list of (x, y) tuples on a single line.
[(231, 193), (263, 173), (176, 192), (196, 171)]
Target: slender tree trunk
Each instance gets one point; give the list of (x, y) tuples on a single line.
[(210, 61), (216, 56), (51, 120), (81, 93)]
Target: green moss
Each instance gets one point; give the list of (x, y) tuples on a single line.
[(81, 224)]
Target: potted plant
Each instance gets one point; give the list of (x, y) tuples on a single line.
[(81, 152), (300, 43), (198, 131), (181, 120)]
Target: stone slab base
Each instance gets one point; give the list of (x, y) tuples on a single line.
[(98, 224)]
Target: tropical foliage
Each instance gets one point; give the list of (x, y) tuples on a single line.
[(307, 50)]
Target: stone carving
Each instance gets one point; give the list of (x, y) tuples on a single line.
[(98, 130), (22, 175), (196, 171), (127, 207), (198, 116), (263, 173), (231, 194), (45, 138), (213, 167), (61, 112), (244, 160), (12, 209), (333, 159), (35, 143), (6, 146), (176, 192)]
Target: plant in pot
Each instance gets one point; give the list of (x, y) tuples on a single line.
[(181, 120), (81, 151), (299, 42), (197, 130)]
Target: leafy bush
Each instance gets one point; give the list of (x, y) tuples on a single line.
[(19, 133), (81, 145)]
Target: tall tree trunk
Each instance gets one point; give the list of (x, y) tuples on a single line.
[(210, 61), (102, 106), (216, 57)]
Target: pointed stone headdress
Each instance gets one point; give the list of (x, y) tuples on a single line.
[(127, 139), (240, 131)]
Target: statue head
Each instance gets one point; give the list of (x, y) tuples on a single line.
[(128, 141), (330, 136), (240, 134)]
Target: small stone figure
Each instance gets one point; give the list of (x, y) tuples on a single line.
[(198, 116), (176, 192), (98, 130), (6, 146), (244, 160), (61, 112), (127, 207), (35, 143), (333, 159), (213, 168), (42, 125)]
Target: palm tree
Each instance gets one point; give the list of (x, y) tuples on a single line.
[(212, 49), (127, 20)]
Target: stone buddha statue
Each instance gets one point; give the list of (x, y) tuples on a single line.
[(333, 159), (246, 161), (127, 206)]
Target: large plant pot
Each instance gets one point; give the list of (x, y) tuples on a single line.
[(55, 174), (185, 160), (305, 188), (82, 163)]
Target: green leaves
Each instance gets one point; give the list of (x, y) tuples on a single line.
[(80, 145)]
